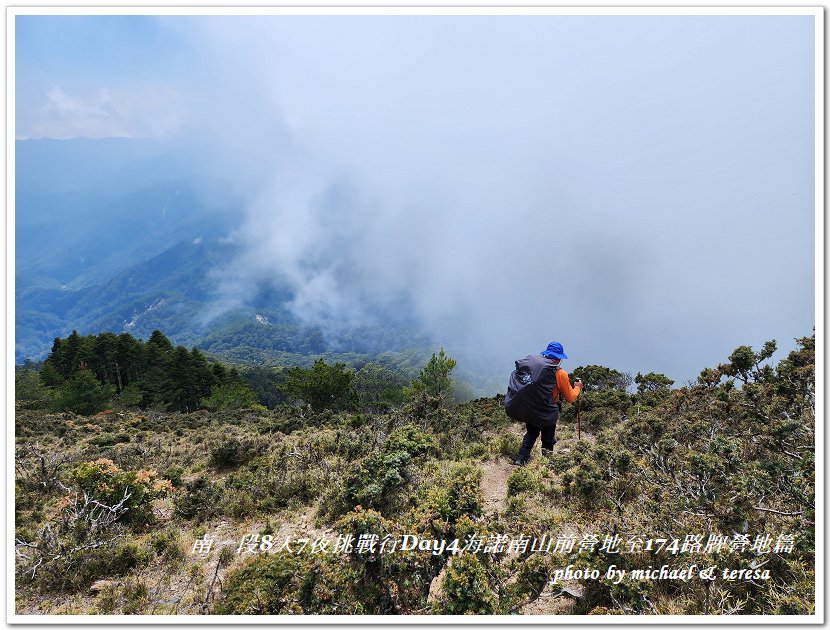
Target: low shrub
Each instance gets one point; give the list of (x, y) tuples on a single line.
[(198, 499), (523, 479), (270, 584), (103, 481), (465, 589), (234, 452), (379, 479), (83, 543), (454, 495)]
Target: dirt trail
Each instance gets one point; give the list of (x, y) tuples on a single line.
[(494, 492), (494, 484), (553, 600)]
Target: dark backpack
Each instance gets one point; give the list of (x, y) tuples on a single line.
[(530, 392)]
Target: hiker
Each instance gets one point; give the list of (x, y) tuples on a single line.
[(535, 396)]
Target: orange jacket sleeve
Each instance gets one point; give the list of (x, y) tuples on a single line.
[(563, 385)]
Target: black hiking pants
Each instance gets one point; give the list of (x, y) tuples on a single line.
[(533, 432)]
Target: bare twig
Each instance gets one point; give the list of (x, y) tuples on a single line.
[(763, 509)]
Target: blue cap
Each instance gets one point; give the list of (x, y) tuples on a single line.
[(554, 351)]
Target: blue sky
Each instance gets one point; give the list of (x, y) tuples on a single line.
[(638, 187)]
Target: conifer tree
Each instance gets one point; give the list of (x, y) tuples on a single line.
[(83, 394), (323, 386), (434, 378)]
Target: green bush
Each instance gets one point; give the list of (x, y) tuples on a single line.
[(380, 477), (233, 452), (523, 479), (233, 395), (465, 589), (82, 543), (174, 474), (454, 496), (508, 445), (83, 394), (29, 388), (166, 545), (270, 584), (131, 395), (110, 440), (102, 563), (198, 499), (323, 386), (135, 490)]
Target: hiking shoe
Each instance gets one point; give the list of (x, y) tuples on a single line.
[(547, 453), (520, 462)]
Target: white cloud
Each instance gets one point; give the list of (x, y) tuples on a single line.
[(519, 181), (103, 113)]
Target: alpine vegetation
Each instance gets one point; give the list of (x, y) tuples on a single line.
[(151, 479)]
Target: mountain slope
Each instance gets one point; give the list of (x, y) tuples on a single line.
[(126, 236), (706, 475), (109, 229)]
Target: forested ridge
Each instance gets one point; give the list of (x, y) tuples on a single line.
[(153, 479)]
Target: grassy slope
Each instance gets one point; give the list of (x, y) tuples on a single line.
[(693, 462)]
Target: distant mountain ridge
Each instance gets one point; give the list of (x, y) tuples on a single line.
[(124, 236), (85, 245), (112, 235)]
